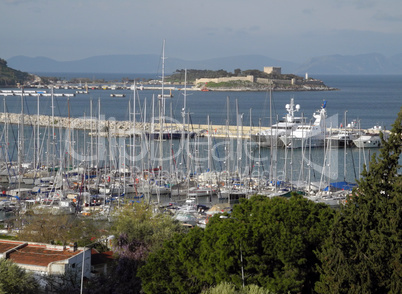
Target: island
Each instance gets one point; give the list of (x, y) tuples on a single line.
[(271, 78)]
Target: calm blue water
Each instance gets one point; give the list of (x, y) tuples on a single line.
[(372, 100)]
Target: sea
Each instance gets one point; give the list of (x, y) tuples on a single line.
[(369, 100)]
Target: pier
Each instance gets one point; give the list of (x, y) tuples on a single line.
[(123, 128), (105, 128)]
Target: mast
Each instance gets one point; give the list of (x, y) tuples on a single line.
[(238, 148), (134, 129), (271, 167), (21, 141), (344, 150), (6, 126), (162, 109), (53, 133), (227, 132), (37, 135), (183, 115), (91, 126), (21, 149), (209, 145)]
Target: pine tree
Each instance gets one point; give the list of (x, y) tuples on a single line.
[(364, 251)]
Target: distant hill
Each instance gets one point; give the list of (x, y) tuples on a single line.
[(10, 77), (143, 64), (356, 64), (151, 63)]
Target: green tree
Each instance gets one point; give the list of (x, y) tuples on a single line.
[(276, 239), (227, 288), (138, 231), (172, 268), (363, 253), (271, 241), (14, 279), (139, 224), (60, 229)]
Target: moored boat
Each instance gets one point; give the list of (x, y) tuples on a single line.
[(306, 135), (289, 123)]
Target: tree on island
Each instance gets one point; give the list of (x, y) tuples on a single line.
[(364, 251)]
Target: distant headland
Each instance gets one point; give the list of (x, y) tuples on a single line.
[(248, 80), (271, 78)]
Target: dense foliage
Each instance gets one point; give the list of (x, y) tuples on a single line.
[(59, 229), (15, 280), (138, 232), (10, 77), (364, 251), (271, 240), (227, 288)]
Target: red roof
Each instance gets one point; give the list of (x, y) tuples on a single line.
[(7, 245), (36, 254)]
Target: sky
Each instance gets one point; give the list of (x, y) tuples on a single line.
[(288, 30)]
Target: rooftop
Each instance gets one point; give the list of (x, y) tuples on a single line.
[(36, 253)]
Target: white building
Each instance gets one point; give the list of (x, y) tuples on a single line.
[(272, 70)]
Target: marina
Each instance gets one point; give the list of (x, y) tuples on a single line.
[(92, 157)]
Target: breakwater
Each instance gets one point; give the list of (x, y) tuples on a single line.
[(101, 127)]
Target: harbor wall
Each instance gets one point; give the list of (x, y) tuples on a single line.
[(120, 128)]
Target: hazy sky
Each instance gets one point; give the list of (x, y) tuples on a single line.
[(291, 30)]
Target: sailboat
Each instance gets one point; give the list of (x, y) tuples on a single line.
[(165, 133)]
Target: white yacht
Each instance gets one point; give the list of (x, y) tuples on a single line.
[(308, 135), (371, 139), (289, 123), (368, 141)]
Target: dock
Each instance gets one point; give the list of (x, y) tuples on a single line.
[(122, 128), (116, 128)]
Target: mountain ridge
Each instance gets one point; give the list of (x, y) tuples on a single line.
[(371, 63)]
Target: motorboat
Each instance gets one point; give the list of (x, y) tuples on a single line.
[(368, 141), (307, 135), (270, 137), (343, 138), (371, 139)]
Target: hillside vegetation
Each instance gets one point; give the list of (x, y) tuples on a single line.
[(10, 77), (193, 74), (261, 81)]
